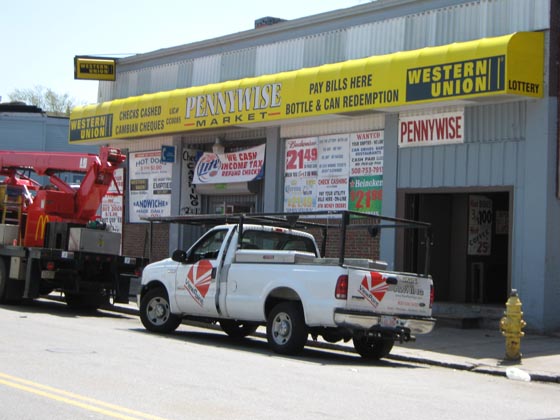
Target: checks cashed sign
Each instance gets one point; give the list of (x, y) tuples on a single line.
[(191, 202)]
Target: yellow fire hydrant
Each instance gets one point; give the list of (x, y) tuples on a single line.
[(511, 325)]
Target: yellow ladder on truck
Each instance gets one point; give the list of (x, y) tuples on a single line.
[(12, 206)]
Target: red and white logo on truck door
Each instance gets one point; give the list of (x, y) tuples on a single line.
[(373, 288), (198, 280)]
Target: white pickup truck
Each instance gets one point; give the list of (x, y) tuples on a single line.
[(256, 269)]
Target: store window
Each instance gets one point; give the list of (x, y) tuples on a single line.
[(334, 172)]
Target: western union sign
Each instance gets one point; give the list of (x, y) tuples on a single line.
[(456, 79), (94, 68), (506, 65)]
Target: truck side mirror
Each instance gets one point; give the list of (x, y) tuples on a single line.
[(373, 231), (179, 255)]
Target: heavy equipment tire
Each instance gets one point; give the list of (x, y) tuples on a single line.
[(237, 329), (372, 348), (3, 281), (155, 312), (286, 331)]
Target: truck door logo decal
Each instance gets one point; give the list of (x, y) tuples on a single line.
[(41, 225), (198, 280), (373, 288)]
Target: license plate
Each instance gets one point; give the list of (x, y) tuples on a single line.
[(388, 321), (47, 275)]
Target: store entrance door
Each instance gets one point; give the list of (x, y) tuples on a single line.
[(471, 240)]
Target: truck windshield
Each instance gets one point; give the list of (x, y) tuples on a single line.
[(257, 239)]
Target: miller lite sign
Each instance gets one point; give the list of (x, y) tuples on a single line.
[(221, 168), (208, 167)]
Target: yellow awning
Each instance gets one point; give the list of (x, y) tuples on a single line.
[(506, 65)]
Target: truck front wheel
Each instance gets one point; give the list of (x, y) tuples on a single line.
[(155, 312), (286, 331), (372, 348)]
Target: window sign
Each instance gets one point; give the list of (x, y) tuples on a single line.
[(480, 225), (335, 172), (112, 208), (149, 186), (190, 199)]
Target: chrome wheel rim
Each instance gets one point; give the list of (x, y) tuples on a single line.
[(158, 311), (281, 328)]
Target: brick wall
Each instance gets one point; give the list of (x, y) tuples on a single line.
[(359, 243), (136, 240)]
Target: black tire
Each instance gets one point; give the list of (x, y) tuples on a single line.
[(155, 312), (286, 331), (83, 302), (45, 290), (11, 291), (372, 348), (236, 329), (3, 281)]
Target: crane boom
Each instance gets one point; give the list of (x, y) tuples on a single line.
[(60, 201)]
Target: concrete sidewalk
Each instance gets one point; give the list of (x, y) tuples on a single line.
[(475, 350), (482, 350)]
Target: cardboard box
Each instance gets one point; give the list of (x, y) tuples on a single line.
[(8, 233), (17, 268)]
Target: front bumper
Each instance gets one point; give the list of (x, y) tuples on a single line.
[(361, 320)]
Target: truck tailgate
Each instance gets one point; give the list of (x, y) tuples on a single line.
[(389, 293)]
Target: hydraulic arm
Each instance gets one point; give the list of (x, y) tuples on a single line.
[(59, 201)]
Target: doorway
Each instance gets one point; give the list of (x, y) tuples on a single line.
[(470, 250)]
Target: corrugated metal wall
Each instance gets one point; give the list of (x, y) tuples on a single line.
[(376, 38), (454, 23), (333, 126), (280, 56), (492, 154), (38, 132)]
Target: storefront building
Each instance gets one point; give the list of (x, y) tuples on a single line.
[(443, 111)]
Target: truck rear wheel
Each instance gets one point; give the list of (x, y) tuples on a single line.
[(286, 331), (11, 291), (236, 329), (155, 312), (372, 348)]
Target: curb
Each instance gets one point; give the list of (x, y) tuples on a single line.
[(464, 366)]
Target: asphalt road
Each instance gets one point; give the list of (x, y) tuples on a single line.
[(60, 364)]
